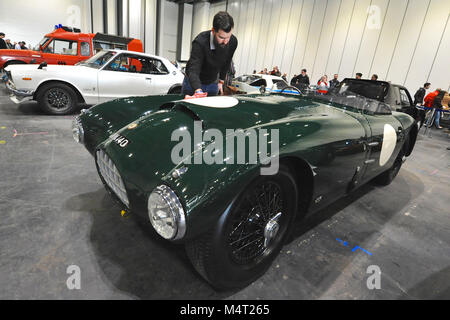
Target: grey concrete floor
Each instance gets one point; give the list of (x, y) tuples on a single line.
[(54, 213)]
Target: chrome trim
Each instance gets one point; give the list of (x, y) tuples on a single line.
[(179, 172), (19, 93), (176, 209), (111, 175), (79, 126)]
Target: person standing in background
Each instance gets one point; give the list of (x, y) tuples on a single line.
[(418, 101), (334, 82), (2, 42), (323, 85), (9, 44), (301, 81)]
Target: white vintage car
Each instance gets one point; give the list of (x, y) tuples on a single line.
[(256, 83), (108, 75)]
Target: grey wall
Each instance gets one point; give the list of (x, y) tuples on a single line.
[(30, 20), (403, 41)]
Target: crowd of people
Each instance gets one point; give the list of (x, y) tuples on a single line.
[(7, 44), (302, 80), (438, 99)]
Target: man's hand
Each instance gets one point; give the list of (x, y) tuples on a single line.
[(220, 86), (197, 94)]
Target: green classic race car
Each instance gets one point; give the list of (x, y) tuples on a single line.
[(226, 176)]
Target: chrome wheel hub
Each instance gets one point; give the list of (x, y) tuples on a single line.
[(271, 229)]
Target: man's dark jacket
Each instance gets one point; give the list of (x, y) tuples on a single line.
[(418, 97), (299, 80), (3, 44), (205, 64)]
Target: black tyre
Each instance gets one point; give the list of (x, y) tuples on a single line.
[(57, 98), (249, 236), (176, 90), (388, 176)]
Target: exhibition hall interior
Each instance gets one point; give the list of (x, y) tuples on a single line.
[(235, 150)]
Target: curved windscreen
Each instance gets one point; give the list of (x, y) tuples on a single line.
[(97, 61)]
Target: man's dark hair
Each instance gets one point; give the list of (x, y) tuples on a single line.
[(426, 84), (359, 74), (375, 76), (223, 21), (2, 34), (304, 70)]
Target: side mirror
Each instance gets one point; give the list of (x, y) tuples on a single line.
[(42, 65)]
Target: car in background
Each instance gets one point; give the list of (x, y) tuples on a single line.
[(108, 75), (256, 83), (395, 95), (67, 46)]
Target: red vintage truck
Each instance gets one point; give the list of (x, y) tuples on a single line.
[(67, 45)]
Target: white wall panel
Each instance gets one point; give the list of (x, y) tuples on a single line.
[(239, 30), (125, 18), (214, 8), (302, 37), (283, 37), (112, 16), (170, 30), (324, 48), (200, 18), (253, 51), (357, 26), (407, 40), (315, 32), (291, 37), (439, 74), (372, 31), (273, 34), (150, 26), (97, 15), (428, 43), (248, 31), (342, 29), (263, 34), (395, 18), (186, 32), (135, 19), (30, 20)]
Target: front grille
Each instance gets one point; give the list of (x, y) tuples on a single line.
[(111, 175)]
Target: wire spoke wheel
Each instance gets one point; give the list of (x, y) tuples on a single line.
[(249, 234), (255, 226)]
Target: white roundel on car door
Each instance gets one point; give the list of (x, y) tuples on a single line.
[(388, 146)]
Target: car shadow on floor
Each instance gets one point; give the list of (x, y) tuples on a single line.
[(153, 268), (150, 267)]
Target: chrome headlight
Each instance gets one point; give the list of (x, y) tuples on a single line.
[(77, 130), (166, 213)]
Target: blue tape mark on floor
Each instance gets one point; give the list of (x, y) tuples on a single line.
[(345, 243)]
